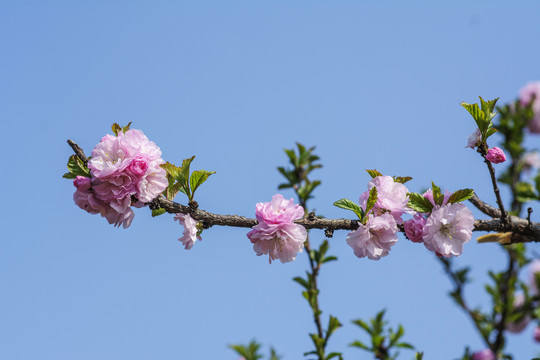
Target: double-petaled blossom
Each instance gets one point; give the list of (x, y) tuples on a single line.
[(519, 325), (414, 228), (474, 139), (374, 238), (276, 234), (123, 168), (496, 155), (485, 354), (391, 197), (190, 230), (447, 228), (531, 92), (87, 200)]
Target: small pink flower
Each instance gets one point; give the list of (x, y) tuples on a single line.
[(496, 155), (485, 354), (190, 230), (447, 229), (537, 334), (414, 228), (474, 139), (375, 238), (276, 234), (531, 160), (534, 270), (526, 95), (520, 325), (391, 197)]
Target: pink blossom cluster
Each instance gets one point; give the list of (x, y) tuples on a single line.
[(444, 230), (531, 92), (276, 234), (124, 169), (374, 238)]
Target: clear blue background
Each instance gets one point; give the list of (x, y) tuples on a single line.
[(372, 84)]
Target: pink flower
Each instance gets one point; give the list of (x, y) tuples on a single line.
[(496, 155), (526, 95), (447, 229), (485, 354), (375, 238), (391, 197), (429, 195), (534, 269), (122, 167), (87, 200), (415, 227), (531, 160), (537, 334), (190, 230), (474, 139), (126, 165), (520, 325), (276, 233)]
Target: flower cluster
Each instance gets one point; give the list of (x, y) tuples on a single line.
[(125, 170), (445, 229), (378, 233), (276, 234)]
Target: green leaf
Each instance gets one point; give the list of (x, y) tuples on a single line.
[(333, 355), (302, 282), (419, 203), (438, 197), (488, 108), (329, 258), (333, 325), (291, 155), (198, 177), (183, 177), (350, 205), (402, 179), (359, 344), (525, 192), (126, 128), (361, 323), (372, 199), (77, 167), (171, 169), (69, 176), (461, 195), (116, 128), (157, 212), (374, 173), (478, 116), (490, 132)]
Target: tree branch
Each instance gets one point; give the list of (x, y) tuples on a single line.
[(522, 230)]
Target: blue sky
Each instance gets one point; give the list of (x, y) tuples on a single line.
[(370, 84)]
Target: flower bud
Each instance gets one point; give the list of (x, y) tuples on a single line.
[(82, 183), (495, 155)]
